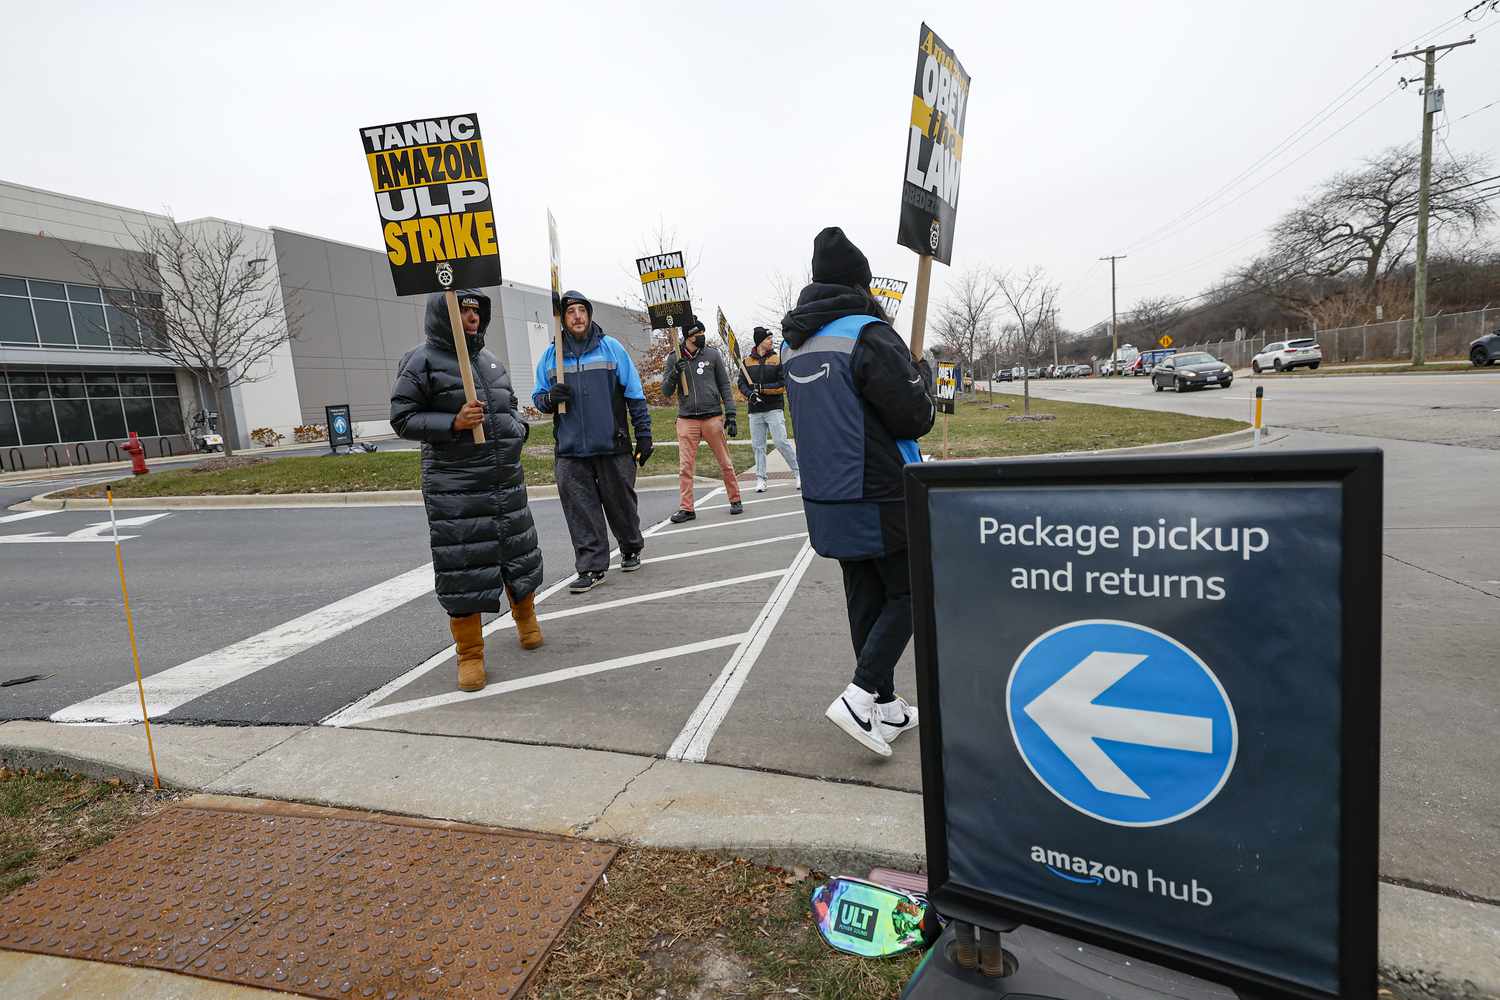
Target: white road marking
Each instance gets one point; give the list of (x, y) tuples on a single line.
[(725, 506), (26, 515), (732, 523), (500, 624), (695, 553), (692, 743), (178, 685), (92, 533), (539, 680), (360, 706)]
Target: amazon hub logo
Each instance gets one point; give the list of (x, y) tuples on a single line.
[(1087, 872)]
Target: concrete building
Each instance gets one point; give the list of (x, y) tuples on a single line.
[(73, 381)]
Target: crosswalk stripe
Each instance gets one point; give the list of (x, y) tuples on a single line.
[(176, 686), (26, 515)]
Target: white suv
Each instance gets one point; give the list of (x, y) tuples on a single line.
[(1288, 354)]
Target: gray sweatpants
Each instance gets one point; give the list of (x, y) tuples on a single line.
[(594, 491)]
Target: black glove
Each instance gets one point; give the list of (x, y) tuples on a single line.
[(756, 397), (643, 450), (559, 393), (925, 370), (730, 427)]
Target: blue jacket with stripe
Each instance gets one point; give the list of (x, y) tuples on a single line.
[(859, 403), (607, 397)]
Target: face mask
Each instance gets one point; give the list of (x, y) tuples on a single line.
[(869, 920)]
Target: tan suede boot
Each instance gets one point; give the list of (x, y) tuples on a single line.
[(528, 630), (469, 637)]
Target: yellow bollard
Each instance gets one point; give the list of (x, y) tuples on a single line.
[(1260, 393), (130, 627)]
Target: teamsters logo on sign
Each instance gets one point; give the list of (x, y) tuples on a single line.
[(664, 284), (890, 292), (934, 150), (433, 191)]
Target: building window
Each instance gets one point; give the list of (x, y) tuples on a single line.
[(62, 406), (57, 314)]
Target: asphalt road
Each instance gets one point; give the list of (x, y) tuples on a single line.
[(730, 642)]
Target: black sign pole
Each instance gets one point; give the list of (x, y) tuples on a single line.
[(1325, 905)]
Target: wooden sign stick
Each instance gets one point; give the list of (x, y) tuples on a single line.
[(557, 351), (677, 350), (919, 314), (461, 348)]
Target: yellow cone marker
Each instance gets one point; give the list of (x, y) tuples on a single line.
[(135, 655)]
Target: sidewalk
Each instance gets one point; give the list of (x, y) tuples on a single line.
[(1440, 945)]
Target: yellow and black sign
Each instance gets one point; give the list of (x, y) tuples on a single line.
[(1165, 340), (664, 284), (890, 292), (948, 374), (934, 149), (433, 191)]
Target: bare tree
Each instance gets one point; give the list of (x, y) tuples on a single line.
[(662, 238), (1151, 317), (1031, 298), (785, 288), (965, 322), (1362, 225), (204, 301)]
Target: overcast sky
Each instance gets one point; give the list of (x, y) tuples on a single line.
[(746, 127)]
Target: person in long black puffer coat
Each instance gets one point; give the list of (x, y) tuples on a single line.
[(484, 544)]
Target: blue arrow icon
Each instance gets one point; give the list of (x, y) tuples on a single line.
[(1121, 722)]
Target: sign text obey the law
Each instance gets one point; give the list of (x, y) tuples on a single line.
[(934, 149), (432, 190)]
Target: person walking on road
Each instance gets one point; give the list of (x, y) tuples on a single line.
[(484, 544), (762, 384), (861, 403), (595, 465), (705, 412)]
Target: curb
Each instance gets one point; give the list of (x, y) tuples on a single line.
[(413, 498), (1430, 945)]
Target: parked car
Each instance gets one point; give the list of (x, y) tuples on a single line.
[(1197, 370), (1288, 354), (1005, 375), (1017, 372), (1485, 350), (1033, 373), (1083, 371)]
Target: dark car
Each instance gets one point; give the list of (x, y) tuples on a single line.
[(1485, 350), (1004, 375), (1191, 371)]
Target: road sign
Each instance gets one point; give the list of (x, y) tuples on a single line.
[(1123, 739), (340, 426), (1178, 705), (1165, 340)]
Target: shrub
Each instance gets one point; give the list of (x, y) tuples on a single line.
[(266, 437), (308, 433)]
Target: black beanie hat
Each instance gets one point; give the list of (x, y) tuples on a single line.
[(836, 261), (760, 334), (571, 296), (694, 327)]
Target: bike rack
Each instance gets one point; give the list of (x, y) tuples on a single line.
[(82, 456), (107, 446), (49, 457), (164, 448), (14, 455)]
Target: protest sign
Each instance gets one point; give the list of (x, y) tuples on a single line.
[(432, 190), (665, 288), (947, 385), (1115, 748), (726, 334), (934, 161), (555, 252), (889, 292)]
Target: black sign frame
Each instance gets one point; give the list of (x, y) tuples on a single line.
[(336, 441), (1359, 475)]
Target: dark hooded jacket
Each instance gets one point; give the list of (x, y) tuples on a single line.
[(859, 404), (483, 538)]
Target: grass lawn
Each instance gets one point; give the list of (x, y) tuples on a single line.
[(976, 431)]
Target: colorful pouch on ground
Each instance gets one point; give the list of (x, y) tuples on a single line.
[(869, 920)]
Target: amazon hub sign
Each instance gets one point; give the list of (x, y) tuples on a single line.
[(1150, 694)]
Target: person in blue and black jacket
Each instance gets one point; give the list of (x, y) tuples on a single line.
[(859, 402), (595, 464)]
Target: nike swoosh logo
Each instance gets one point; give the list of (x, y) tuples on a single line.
[(904, 720), (824, 370), (858, 721)]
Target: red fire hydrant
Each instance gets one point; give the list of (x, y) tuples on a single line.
[(137, 455)]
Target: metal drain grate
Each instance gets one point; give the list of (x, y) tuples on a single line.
[(318, 902)]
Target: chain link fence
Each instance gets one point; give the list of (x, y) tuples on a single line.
[(1448, 336)]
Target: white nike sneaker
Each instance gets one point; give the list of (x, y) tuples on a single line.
[(895, 717), (760, 484), (798, 485), (854, 712)]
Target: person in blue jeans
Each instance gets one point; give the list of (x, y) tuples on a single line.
[(763, 385), (861, 402)]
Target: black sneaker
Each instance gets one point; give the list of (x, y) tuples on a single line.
[(585, 582), (630, 562), (736, 508), (683, 515)]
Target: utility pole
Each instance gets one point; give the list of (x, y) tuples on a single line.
[(1114, 331), (1431, 104)]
